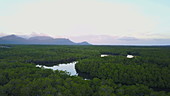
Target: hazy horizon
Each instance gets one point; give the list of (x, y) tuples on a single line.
[(101, 22)]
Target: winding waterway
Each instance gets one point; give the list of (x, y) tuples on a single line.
[(70, 68)]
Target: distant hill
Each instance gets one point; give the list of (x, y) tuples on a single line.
[(84, 43), (41, 38), (44, 40), (12, 39)]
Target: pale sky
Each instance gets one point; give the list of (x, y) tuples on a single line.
[(87, 20)]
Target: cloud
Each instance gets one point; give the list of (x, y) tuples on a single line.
[(38, 34), (94, 39), (116, 40), (78, 17), (128, 38), (2, 34)]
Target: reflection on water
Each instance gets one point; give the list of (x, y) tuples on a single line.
[(4, 47), (69, 67), (85, 76), (104, 55), (130, 56)]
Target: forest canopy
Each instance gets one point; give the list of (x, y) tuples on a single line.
[(147, 74)]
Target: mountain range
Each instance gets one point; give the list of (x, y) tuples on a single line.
[(43, 40)]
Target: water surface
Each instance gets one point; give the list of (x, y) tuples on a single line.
[(69, 67), (103, 55), (130, 56)]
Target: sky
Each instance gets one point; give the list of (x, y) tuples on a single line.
[(105, 22)]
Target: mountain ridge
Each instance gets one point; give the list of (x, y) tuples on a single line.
[(44, 40)]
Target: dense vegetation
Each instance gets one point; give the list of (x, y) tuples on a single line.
[(114, 75)]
